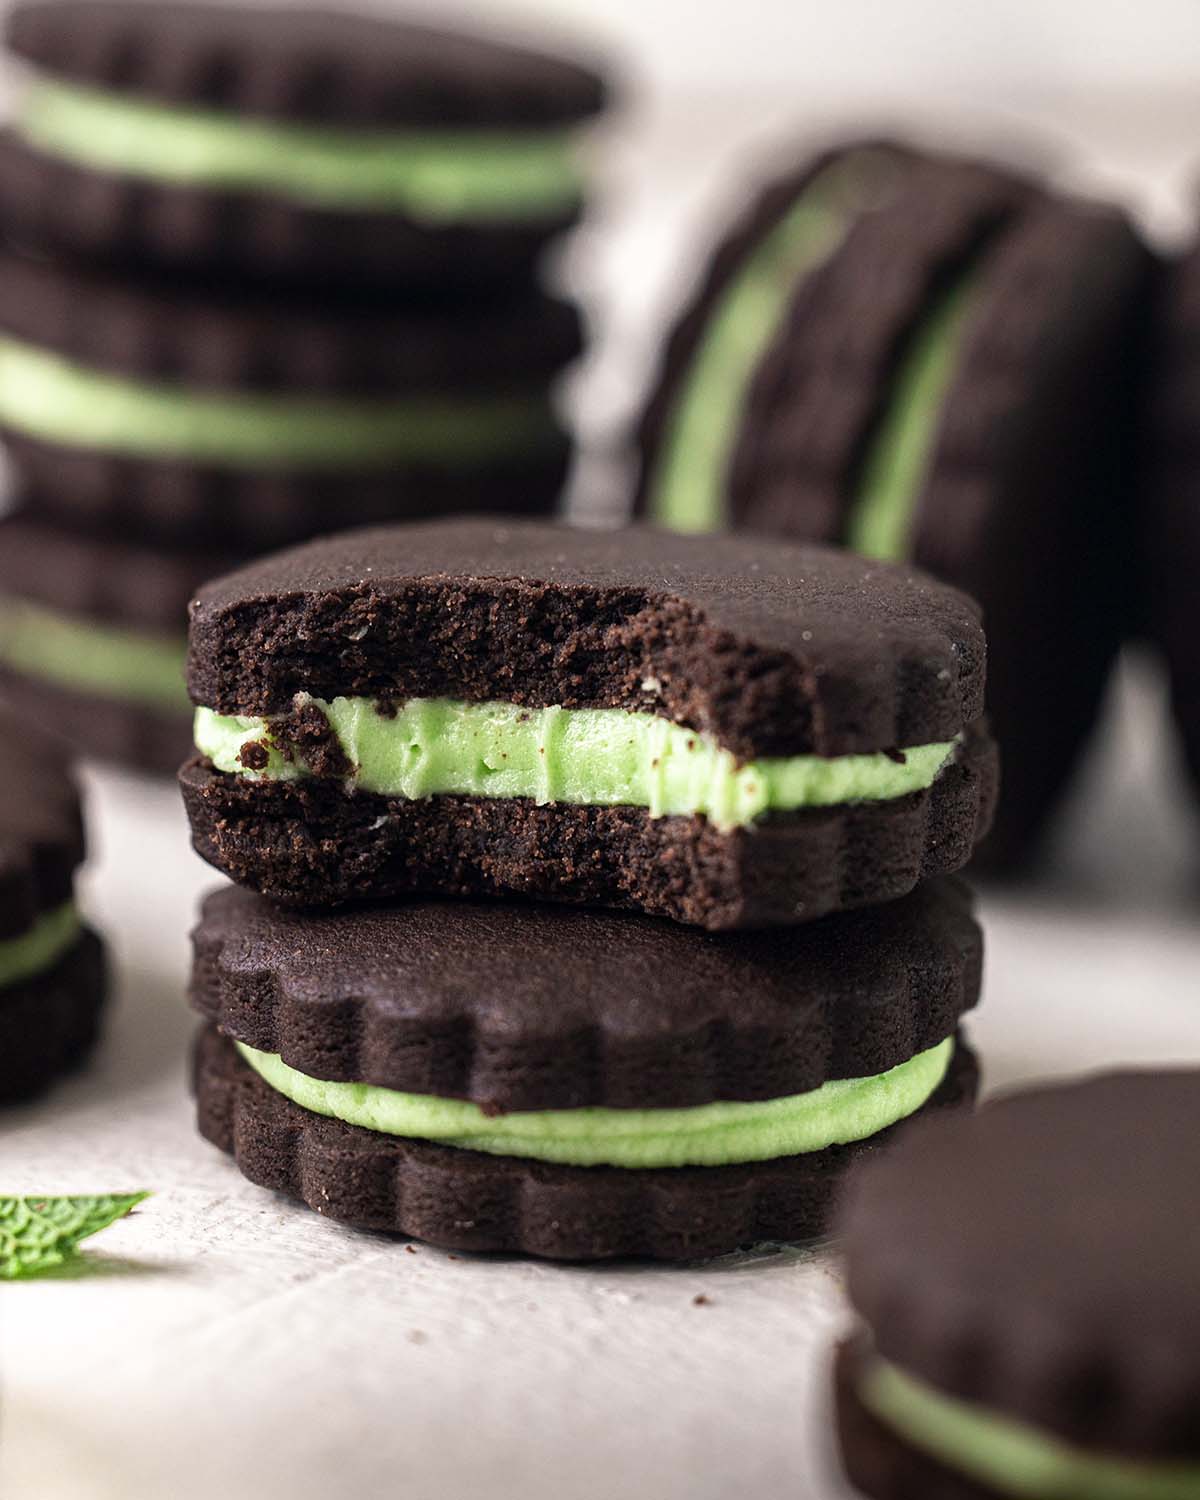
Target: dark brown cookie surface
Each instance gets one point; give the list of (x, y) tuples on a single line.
[(307, 843), (203, 506), (41, 825), (521, 1007), (328, 67), (50, 1021), (772, 649), (1047, 1237), (467, 1200)]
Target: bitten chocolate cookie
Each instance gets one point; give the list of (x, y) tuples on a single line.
[(326, 146), (93, 638), (926, 358), (733, 733), (569, 1083), (1027, 1283), (1171, 494), (51, 965), (247, 421)]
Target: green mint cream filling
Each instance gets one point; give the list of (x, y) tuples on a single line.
[(596, 757), (58, 401), (1008, 1456), (687, 484), (435, 176), (897, 460), (39, 947), (88, 656), (707, 1135)]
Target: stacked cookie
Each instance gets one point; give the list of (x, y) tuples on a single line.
[(270, 274), (923, 357), (52, 978), (764, 761)]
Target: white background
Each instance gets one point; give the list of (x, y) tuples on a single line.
[(225, 1343)]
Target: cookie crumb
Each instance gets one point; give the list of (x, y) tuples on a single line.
[(255, 755)]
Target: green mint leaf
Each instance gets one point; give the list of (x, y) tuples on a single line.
[(38, 1234)]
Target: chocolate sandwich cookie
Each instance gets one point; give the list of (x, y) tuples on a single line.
[(93, 639), (1170, 514), (1027, 1283), (51, 965), (326, 146), (574, 1084), (246, 421), (926, 358), (732, 733)]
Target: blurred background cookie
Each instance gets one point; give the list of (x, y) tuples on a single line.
[(93, 638), (925, 357), (52, 971), (316, 145), (1030, 1309), (240, 419)]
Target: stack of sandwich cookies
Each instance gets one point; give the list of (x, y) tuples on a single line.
[(267, 274), (1027, 1283), (926, 358), (92, 639), (605, 1084), (732, 734), (321, 146), (51, 966), (235, 418)]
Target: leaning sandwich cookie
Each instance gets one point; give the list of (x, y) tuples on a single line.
[(52, 978), (942, 373), (289, 142), (733, 733), (93, 640), (609, 1084), (1029, 1303), (246, 420)]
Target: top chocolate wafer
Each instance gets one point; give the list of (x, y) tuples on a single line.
[(288, 141)]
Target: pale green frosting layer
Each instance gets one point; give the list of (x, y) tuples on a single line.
[(83, 654), (58, 401), (597, 757), (898, 459), (436, 176), (708, 1135), (687, 487), (39, 947), (1009, 1456)]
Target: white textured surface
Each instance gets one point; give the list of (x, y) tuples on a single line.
[(226, 1343)]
